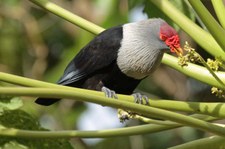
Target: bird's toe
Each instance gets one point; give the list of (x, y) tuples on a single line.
[(109, 93), (139, 98)]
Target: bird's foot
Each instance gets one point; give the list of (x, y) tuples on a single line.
[(140, 98), (109, 93)]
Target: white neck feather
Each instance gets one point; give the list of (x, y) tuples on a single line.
[(137, 57)]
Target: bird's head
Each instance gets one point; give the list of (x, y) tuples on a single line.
[(171, 38)]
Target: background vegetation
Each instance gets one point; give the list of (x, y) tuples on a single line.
[(36, 44)]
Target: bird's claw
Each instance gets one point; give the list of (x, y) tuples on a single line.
[(138, 98), (109, 93)]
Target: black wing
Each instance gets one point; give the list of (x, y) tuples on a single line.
[(97, 54)]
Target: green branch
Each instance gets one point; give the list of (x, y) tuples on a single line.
[(195, 71), (203, 38), (65, 14), (127, 131), (214, 109), (140, 109), (212, 142), (220, 11), (212, 25)]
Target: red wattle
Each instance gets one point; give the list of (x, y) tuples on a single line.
[(173, 42)]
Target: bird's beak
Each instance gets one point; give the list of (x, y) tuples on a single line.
[(178, 51)]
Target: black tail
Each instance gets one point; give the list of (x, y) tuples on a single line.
[(46, 101)]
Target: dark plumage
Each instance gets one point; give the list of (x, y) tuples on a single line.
[(119, 57)]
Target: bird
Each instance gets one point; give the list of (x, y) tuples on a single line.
[(119, 58)]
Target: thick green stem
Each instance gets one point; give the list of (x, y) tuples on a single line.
[(203, 38), (191, 107), (65, 14), (127, 131), (212, 25), (220, 11), (214, 109), (140, 109), (195, 71), (213, 142)]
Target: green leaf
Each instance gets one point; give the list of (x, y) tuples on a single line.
[(22, 120), (10, 104), (13, 145)]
